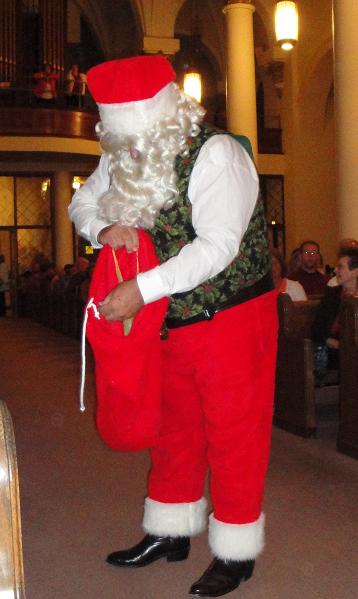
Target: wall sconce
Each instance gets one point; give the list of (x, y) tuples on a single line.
[(45, 185), (192, 83), (286, 24), (76, 183)]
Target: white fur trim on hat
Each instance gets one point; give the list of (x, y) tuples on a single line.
[(236, 541), (175, 519), (130, 118)]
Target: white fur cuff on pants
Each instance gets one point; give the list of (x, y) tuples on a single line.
[(175, 519), (236, 541)]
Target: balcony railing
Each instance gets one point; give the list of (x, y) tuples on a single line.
[(20, 114), (23, 96)]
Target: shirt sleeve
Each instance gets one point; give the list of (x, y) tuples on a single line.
[(84, 205), (296, 291), (223, 190)]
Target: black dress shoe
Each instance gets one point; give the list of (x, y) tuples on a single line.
[(149, 549), (221, 577)]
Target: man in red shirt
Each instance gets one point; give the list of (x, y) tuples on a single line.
[(313, 282)]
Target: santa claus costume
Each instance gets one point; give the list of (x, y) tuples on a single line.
[(196, 192)]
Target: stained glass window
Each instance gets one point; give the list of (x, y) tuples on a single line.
[(7, 213), (273, 195), (25, 211), (32, 201)]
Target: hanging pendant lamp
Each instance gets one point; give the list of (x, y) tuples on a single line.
[(286, 24), (192, 83)]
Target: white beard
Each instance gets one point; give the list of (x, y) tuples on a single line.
[(142, 166)]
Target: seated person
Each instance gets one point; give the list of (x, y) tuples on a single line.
[(344, 244), (325, 328), (312, 281), (63, 278), (85, 285), (283, 285), (78, 274)]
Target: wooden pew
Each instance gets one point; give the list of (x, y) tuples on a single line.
[(295, 408), (300, 406), (11, 564), (347, 439)]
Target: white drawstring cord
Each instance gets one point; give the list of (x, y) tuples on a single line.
[(92, 305)]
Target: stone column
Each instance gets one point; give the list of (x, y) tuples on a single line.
[(240, 86), (345, 17), (63, 225)]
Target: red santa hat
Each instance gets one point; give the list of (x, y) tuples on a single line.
[(134, 93)]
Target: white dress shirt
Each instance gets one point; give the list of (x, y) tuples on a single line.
[(295, 290), (333, 282), (223, 190)]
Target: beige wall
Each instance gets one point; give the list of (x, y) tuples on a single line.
[(310, 198), (307, 120)]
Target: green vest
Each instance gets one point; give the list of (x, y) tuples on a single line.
[(173, 229)]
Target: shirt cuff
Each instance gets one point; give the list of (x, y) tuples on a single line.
[(151, 286), (95, 227)]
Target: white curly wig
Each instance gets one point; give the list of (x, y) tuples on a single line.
[(142, 145)]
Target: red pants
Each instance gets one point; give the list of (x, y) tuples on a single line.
[(218, 387)]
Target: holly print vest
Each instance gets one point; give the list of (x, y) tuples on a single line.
[(173, 229)]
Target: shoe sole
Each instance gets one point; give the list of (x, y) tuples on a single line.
[(216, 594), (176, 556), (244, 579)]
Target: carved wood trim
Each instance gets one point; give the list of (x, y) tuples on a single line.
[(12, 578)]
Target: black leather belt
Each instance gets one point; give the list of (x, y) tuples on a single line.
[(262, 286)]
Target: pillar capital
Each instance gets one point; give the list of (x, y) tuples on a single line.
[(166, 45), (237, 5)]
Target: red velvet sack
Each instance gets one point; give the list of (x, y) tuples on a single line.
[(128, 368)]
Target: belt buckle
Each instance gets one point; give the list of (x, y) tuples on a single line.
[(209, 313)]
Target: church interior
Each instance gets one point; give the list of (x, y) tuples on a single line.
[(65, 498)]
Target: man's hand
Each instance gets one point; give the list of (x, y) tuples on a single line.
[(124, 301), (117, 236)]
